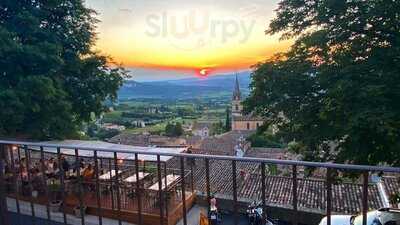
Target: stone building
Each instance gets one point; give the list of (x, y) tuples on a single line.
[(241, 121), (202, 129)]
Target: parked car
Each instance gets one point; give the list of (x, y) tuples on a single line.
[(383, 216)]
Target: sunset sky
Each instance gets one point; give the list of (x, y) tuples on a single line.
[(167, 39)]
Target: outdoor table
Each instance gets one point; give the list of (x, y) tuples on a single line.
[(170, 180), (132, 179), (129, 181), (109, 175)]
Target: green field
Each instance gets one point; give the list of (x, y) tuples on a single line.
[(156, 114)]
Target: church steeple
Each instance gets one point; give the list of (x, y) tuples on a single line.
[(236, 91), (236, 100)]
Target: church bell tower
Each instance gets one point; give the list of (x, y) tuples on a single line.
[(236, 100)]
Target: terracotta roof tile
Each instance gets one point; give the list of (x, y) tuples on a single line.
[(346, 196), (391, 184)]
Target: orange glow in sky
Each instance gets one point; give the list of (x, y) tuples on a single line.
[(206, 37)]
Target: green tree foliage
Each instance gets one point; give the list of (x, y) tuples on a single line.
[(104, 134), (96, 132), (336, 91), (51, 81), (272, 169), (174, 130), (178, 130), (169, 129), (218, 128), (265, 138), (227, 120)]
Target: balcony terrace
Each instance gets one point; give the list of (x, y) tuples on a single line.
[(167, 186)]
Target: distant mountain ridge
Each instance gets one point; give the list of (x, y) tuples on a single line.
[(211, 81), (219, 85)]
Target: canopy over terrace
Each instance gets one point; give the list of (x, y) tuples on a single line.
[(110, 146)]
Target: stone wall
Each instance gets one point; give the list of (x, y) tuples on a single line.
[(246, 125)]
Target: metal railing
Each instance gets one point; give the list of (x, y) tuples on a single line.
[(27, 149)]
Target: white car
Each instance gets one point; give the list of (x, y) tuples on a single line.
[(384, 216)]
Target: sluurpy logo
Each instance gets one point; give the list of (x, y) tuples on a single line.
[(193, 29)]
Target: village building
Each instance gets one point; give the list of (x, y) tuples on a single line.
[(111, 126), (202, 129), (241, 121)]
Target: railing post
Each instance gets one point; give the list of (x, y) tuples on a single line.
[(263, 191), (28, 164), (96, 167), (294, 177), (160, 190), (183, 190), (79, 177), (111, 186), (166, 194), (328, 195), (138, 189), (116, 181), (207, 165), (365, 197), (44, 180), (4, 218), (19, 172), (15, 180), (234, 186), (191, 175), (62, 181)]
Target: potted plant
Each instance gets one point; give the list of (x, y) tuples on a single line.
[(54, 194), (78, 212), (395, 200)]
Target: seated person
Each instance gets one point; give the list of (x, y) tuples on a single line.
[(51, 168), (37, 181), (80, 164), (24, 173), (65, 164), (8, 177), (7, 171), (24, 180), (88, 173)]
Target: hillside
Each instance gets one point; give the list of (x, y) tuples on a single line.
[(214, 86)]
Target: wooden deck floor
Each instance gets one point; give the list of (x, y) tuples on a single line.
[(128, 206)]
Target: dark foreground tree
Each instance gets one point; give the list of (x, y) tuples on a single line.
[(336, 92), (51, 80)]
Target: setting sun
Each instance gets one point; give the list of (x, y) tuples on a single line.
[(204, 72), (186, 37)]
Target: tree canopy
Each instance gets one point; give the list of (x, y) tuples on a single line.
[(174, 130), (336, 91), (51, 79)]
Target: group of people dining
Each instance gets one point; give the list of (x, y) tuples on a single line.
[(40, 172)]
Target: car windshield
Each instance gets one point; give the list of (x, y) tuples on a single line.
[(372, 219)]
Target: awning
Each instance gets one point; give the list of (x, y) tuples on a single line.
[(109, 146)]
